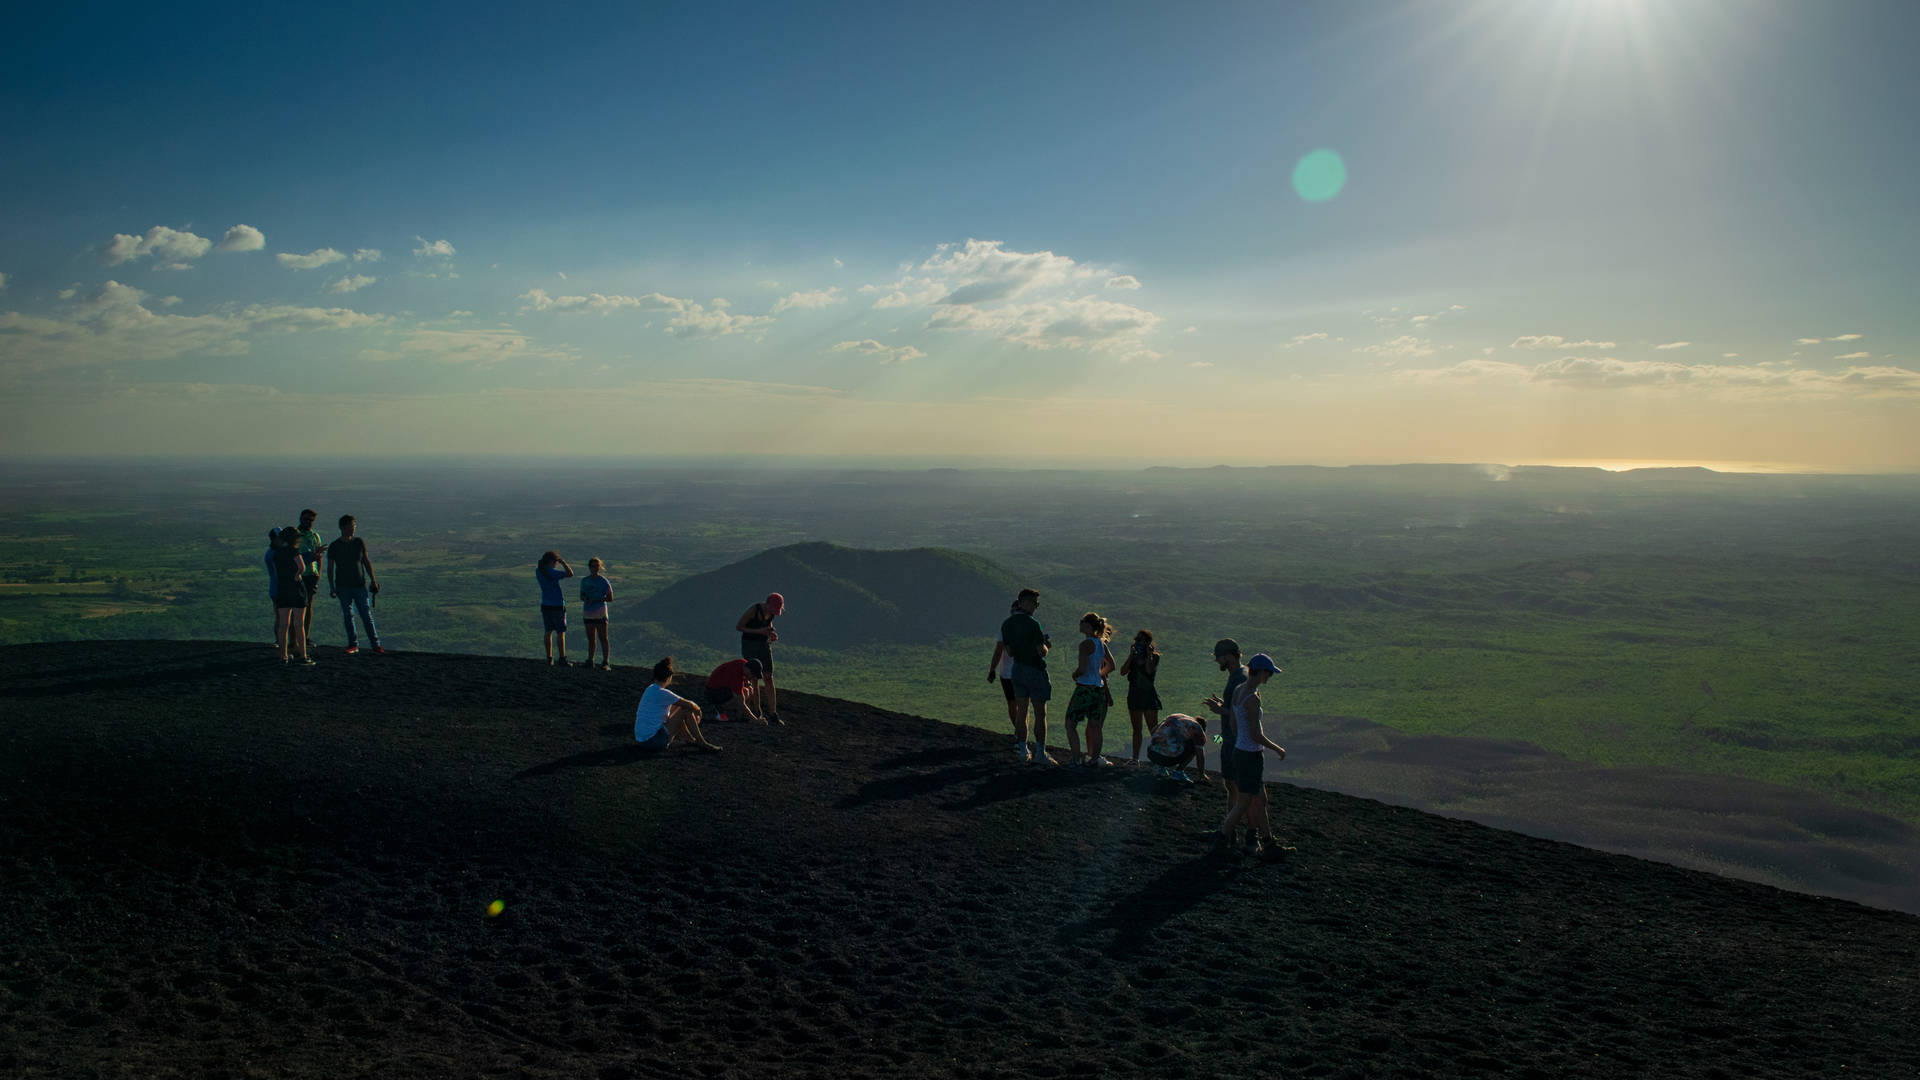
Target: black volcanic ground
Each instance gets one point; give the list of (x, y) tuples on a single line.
[(216, 868)]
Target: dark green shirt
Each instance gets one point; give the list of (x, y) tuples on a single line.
[(1025, 638)]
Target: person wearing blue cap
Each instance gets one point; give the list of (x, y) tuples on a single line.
[(1248, 761)]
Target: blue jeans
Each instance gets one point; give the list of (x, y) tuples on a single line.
[(356, 596)]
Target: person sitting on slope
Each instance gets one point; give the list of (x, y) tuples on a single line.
[(665, 717)]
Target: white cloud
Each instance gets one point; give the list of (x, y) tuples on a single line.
[(885, 354), (1807, 341), (1200, 364), (351, 283), (366, 255), (1404, 347), (471, 348), (1610, 373), (1302, 339), (1846, 337), (818, 298), (70, 292), (1668, 345), (1855, 356), (242, 238), (114, 324), (170, 246), (1032, 299), (1555, 341), (838, 265), (433, 249), (1729, 355), (689, 319), (3, 281), (1124, 281), (313, 260)]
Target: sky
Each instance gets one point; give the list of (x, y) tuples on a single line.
[(1512, 231)]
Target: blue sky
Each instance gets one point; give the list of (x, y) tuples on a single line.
[(1571, 229)]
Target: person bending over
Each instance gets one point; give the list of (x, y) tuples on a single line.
[(757, 636), (733, 688), (665, 717), (1177, 740)]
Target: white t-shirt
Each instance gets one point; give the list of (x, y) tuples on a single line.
[(1006, 655), (651, 716)]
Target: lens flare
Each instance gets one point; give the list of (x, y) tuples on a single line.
[(496, 908), (1319, 176)]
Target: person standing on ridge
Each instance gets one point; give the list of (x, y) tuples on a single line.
[(596, 592), (1248, 763), (1226, 653), (757, 636), (1090, 694), (273, 585), (1027, 642), (1143, 701), (311, 549), (346, 582), (290, 596), (1001, 667), (553, 603)]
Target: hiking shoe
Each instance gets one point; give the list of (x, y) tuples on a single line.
[(352, 649), (1021, 753)]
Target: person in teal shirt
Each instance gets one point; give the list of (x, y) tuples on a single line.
[(311, 548)]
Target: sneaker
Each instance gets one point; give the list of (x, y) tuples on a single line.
[(604, 666), (378, 651), (1160, 772), (1041, 757), (1179, 776), (1252, 841), (1099, 762), (719, 718), (308, 662), (1021, 753), (352, 649), (1272, 850), (774, 718)]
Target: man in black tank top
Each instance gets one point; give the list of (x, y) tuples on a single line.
[(757, 636)]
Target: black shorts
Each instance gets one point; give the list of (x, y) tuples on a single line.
[(1227, 753), (296, 599), (758, 649), (1006, 687), (1248, 767), (715, 695)]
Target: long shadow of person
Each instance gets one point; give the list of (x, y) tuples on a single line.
[(891, 788), (1133, 918), (590, 759)]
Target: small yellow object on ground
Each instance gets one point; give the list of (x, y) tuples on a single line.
[(496, 908)]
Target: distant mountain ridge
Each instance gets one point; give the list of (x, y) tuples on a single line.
[(836, 597)]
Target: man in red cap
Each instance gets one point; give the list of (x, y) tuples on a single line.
[(757, 636)]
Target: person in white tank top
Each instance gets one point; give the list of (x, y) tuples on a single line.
[(1090, 694), (1249, 745)]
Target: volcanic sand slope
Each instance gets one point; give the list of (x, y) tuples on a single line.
[(217, 868)]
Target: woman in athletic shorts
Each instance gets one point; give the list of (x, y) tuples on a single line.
[(757, 636), (1250, 800), (1143, 701), (290, 596), (1090, 694)]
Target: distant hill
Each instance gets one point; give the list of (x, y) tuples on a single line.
[(836, 597)]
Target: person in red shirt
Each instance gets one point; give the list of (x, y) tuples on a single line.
[(733, 688)]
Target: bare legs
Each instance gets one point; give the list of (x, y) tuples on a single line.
[(547, 639), (289, 633), (772, 695), (1039, 708), (1017, 715), (1142, 720), (683, 725), (596, 629)]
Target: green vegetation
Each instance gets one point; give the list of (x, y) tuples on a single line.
[(1761, 626)]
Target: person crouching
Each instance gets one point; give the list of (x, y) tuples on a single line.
[(1177, 740), (733, 689)]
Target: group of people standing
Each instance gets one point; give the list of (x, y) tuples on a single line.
[(1019, 664), (295, 558)]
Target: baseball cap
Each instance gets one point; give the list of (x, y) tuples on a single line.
[(775, 602), (753, 667), (1262, 662), (1226, 646)]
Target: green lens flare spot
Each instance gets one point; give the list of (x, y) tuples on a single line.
[(1319, 176)]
